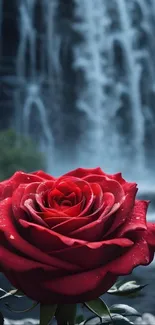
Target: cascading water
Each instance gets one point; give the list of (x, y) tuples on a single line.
[(29, 101), (88, 59), (134, 72), (104, 73)]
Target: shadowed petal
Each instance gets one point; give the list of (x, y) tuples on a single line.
[(93, 255), (151, 234)]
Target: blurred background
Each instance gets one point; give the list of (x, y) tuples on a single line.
[(77, 88), (78, 78)]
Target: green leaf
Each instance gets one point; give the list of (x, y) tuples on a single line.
[(47, 312), (117, 320), (98, 307), (124, 310), (66, 314), (13, 292), (92, 321), (130, 288), (19, 293), (79, 319), (129, 285), (22, 311), (117, 284)]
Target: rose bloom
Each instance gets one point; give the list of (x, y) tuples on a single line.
[(67, 239)]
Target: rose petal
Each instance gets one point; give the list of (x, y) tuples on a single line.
[(10, 260), (98, 196), (47, 212), (69, 225), (55, 221), (107, 185), (33, 215), (79, 287), (151, 234), (29, 188), (72, 198), (138, 254), (63, 191), (45, 186), (42, 192), (50, 240), (10, 238), (52, 213), (47, 288), (66, 225), (23, 192), (66, 186), (75, 210), (44, 175), (86, 191), (93, 255), (54, 198), (126, 185), (106, 206), (8, 187), (82, 172), (136, 220), (121, 215), (95, 230), (17, 197)]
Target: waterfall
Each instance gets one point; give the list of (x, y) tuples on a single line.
[(31, 113), (83, 85), (112, 97), (93, 62), (134, 73), (88, 60)]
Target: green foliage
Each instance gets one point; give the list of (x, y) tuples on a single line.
[(18, 153), (98, 307), (128, 289), (66, 314), (47, 313)]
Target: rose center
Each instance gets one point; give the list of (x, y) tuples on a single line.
[(66, 203), (62, 201)]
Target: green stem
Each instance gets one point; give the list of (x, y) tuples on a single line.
[(66, 314), (47, 313)]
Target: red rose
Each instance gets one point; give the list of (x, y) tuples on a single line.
[(67, 239)]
